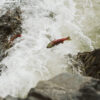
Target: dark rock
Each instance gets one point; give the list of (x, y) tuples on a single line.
[(10, 24), (91, 61), (2, 68), (52, 14)]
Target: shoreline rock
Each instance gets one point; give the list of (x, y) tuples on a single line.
[(64, 87), (91, 62), (10, 24)]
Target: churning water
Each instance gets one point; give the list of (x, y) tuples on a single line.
[(29, 61)]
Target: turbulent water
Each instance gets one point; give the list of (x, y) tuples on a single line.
[(29, 61)]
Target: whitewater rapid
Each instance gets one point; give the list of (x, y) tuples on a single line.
[(29, 61)]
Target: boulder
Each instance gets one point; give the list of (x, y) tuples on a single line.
[(91, 62), (66, 87)]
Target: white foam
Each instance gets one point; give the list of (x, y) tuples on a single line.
[(29, 60)]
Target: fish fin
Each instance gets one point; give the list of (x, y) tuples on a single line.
[(48, 36), (68, 38)]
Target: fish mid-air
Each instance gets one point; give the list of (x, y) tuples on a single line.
[(10, 42), (58, 41), (14, 37)]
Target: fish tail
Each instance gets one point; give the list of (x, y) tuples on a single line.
[(68, 38)]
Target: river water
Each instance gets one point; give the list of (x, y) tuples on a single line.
[(29, 61)]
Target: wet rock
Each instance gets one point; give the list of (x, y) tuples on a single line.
[(66, 87), (2, 68), (91, 61), (1, 98), (11, 98), (52, 14), (10, 24), (74, 65)]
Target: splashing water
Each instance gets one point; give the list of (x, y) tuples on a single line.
[(29, 61)]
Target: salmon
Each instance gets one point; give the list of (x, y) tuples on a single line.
[(58, 41), (10, 42), (14, 37)]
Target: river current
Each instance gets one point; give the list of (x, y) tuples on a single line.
[(29, 61)]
